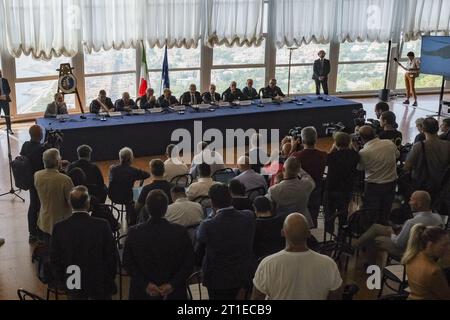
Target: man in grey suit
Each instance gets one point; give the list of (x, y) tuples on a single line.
[(322, 68), (5, 99), (56, 107)]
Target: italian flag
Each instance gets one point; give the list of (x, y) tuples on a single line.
[(144, 73)]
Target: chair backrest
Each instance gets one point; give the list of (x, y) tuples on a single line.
[(195, 288), (254, 193), (26, 295), (184, 180), (224, 175), (360, 221)]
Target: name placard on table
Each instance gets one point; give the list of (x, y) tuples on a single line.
[(224, 104), (244, 103), (267, 100), (156, 110), (62, 117), (115, 114), (138, 111), (201, 106), (179, 108)]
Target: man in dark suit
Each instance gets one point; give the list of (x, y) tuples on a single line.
[(227, 238), (249, 92), (148, 101), (233, 93), (5, 99), (191, 97), (322, 69), (158, 255), (94, 177), (212, 96), (101, 104), (125, 104), (273, 91), (87, 243), (34, 151), (167, 99)]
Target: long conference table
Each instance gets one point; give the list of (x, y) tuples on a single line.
[(149, 134)]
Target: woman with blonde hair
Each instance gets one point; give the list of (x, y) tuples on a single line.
[(426, 279)]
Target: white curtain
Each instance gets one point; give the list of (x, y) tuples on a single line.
[(177, 23), (42, 28), (108, 24), (234, 22), (369, 20), (298, 22), (426, 16)]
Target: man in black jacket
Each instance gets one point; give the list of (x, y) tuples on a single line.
[(249, 92), (34, 150), (191, 97), (322, 68), (148, 101), (212, 96), (158, 255), (95, 181), (227, 238), (101, 104), (87, 244), (167, 100), (233, 93), (5, 99), (273, 91)]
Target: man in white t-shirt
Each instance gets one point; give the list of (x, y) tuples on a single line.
[(296, 273)]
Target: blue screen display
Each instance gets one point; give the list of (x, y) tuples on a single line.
[(435, 56)]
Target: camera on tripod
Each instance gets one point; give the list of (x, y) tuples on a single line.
[(54, 138), (360, 120), (332, 127)]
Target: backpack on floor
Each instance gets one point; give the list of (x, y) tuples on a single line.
[(22, 172)]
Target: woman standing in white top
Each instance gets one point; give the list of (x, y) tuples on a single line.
[(412, 72)]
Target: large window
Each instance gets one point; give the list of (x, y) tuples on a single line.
[(113, 71), (238, 64), (362, 66), (425, 80), (37, 83), (184, 69), (302, 61)]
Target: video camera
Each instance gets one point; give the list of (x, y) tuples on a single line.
[(332, 127), (54, 138), (360, 120), (296, 133)]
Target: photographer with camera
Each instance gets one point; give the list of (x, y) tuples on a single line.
[(380, 108), (33, 150), (389, 129)]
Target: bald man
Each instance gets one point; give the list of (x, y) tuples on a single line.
[(296, 273), (233, 93), (378, 159), (34, 150), (384, 238), (248, 177)]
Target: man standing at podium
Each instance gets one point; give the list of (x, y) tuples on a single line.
[(5, 91), (322, 68)]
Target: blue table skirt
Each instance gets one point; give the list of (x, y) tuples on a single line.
[(149, 134)]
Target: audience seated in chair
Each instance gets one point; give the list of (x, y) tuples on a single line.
[(227, 241), (53, 189), (174, 165), (204, 183), (385, 238), (94, 177), (312, 161), (297, 273), (122, 178), (248, 177), (239, 200), (158, 255), (206, 155), (426, 278), (88, 243), (157, 183), (182, 211), (293, 192), (268, 239), (342, 162)]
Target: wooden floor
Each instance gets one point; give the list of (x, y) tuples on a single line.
[(16, 269)]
